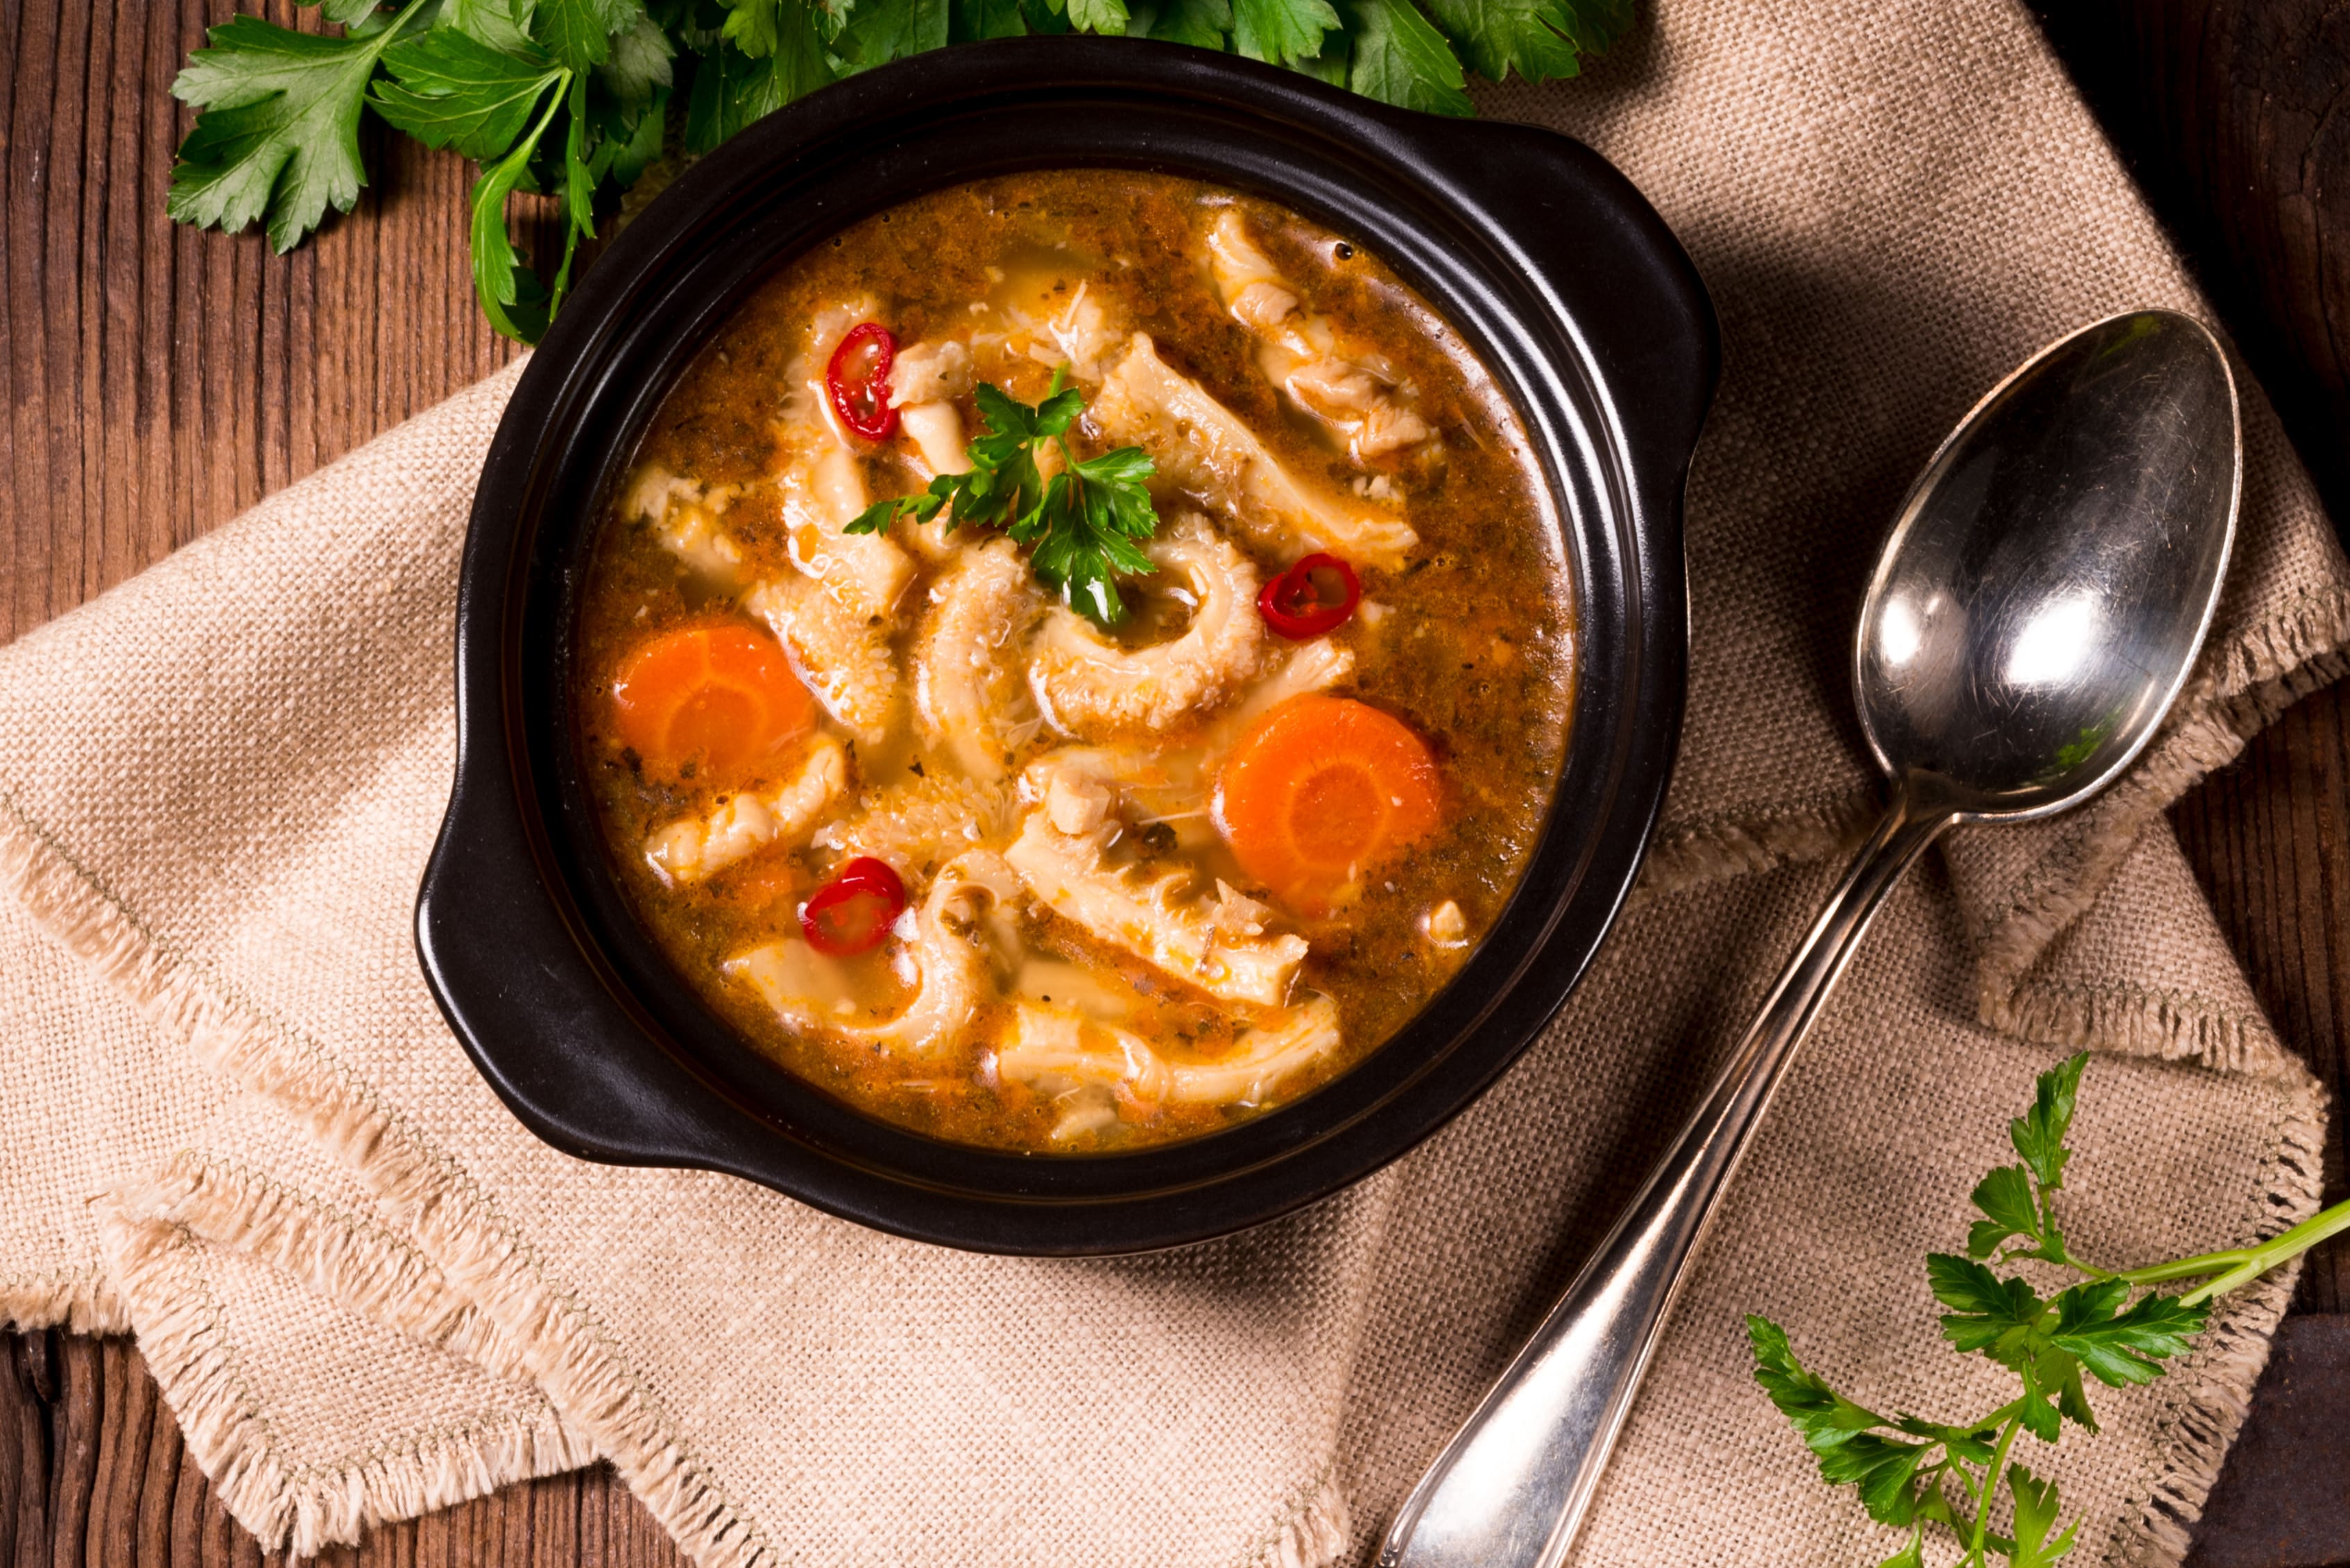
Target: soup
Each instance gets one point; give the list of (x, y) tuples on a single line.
[(1079, 659)]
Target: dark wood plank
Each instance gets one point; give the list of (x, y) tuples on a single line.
[(160, 380), (2231, 115), (2269, 840), (23, 1456), (2283, 1502), (94, 1474), (2227, 111)]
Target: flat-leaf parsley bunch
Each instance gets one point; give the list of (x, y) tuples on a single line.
[(1911, 1472), (573, 99), (1083, 524)]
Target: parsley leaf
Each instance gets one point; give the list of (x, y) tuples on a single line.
[(2002, 1319), (879, 31), (1201, 24), (1048, 17), (1911, 1555), (500, 24), (2035, 1515), (578, 191), (513, 299), (276, 139), (637, 69), (450, 90), (2120, 1348), (2039, 1134), (969, 20), (277, 134), (2092, 1327), (763, 28), (447, 89), (2006, 1198), (753, 26), (1284, 32), (1081, 526), (1964, 1442), (731, 88), (1332, 64), (1592, 25), (2046, 1374), (1539, 39), (1084, 532), (629, 146), (1401, 59), (1099, 15), (1993, 1316), (2018, 1200), (579, 32), (1842, 1436), (1818, 1412), (1883, 1470), (2072, 1399)]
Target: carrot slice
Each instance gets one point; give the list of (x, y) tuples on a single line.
[(1320, 790), (719, 699)]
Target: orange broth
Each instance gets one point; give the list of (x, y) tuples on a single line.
[(1098, 949)]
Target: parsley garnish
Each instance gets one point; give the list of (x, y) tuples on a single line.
[(1909, 1473), (570, 97), (279, 132), (1082, 523)]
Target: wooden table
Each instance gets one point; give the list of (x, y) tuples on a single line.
[(160, 380)]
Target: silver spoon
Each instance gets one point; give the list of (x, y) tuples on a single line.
[(2048, 581)]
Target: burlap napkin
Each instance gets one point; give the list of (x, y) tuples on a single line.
[(232, 1121)]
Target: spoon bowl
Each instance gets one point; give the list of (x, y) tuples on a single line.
[(2052, 572), (2039, 604)]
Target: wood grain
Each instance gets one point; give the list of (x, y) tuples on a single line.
[(2234, 116), (2286, 1502), (2269, 841), (93, 1472), (160, 380)]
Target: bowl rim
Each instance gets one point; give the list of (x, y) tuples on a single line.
[(1562, 277)]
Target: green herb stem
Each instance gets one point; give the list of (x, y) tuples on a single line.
[(1990, 1488), (507, 292), (2235, 1266), (529, 143), (2004, 1413), (2113, 1328), (392, 29), (2243, 1265)]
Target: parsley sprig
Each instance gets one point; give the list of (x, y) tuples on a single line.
[(1911, 1472), (1082, 524), (573, 99)]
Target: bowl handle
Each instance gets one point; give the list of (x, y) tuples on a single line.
[(478, 911), (1605, 267)]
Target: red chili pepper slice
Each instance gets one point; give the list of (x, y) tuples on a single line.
[(857, 380), (853, 911), (1313, 597)]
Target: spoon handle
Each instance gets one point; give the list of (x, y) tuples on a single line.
[(1511, 1487)]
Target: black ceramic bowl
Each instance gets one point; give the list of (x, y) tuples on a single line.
[(1570, 288)]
